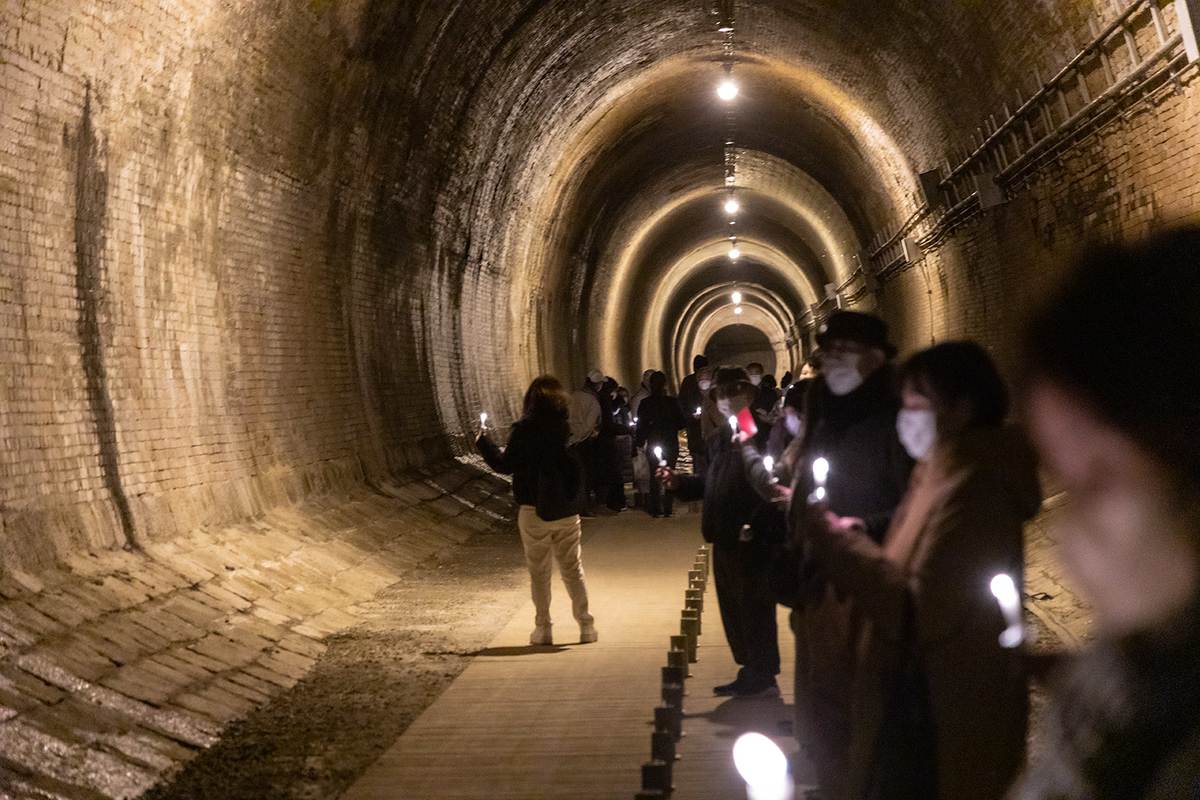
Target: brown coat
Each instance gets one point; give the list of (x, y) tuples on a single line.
[(959, 525)]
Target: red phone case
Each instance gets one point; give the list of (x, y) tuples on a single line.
[(746, 422)]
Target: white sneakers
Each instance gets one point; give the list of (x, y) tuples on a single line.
[(542, 635)]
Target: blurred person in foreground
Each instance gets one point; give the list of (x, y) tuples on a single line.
[(939, 708), (1124, 716), (548, 487), (741, 553)]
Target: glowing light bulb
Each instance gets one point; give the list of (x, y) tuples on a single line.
[(737, 297), (763, 767), (731, 206), (734, 254), (727, 90)]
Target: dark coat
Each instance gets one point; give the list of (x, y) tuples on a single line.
[(856, 433), (729, 500), (1124, 719), (959, 525), (659, 423), (868, 475), (532, 443)]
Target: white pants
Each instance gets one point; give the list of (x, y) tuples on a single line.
[(559, 539)]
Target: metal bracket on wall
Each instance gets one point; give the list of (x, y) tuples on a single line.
[(1111, 66)]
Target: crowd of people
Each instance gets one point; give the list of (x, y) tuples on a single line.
[(882, 500)]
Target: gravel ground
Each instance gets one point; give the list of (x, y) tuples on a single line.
[(313, 741)]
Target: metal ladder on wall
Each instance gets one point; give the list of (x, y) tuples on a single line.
[(1124, 54)]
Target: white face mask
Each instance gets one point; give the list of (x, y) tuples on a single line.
[(917, 430), (705, 385), (841, 373), (793, 424), (756, 379)]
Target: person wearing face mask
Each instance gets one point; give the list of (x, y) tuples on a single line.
[(1123, 718), (939, 707), (851, 410), (741, 555)]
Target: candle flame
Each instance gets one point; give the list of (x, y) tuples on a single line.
[(733, 423), (820, 471), (769, 463), (658, 453)]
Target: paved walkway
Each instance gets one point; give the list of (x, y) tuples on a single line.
[(571, 720)]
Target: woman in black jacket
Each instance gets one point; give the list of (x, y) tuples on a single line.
[(547, 484)]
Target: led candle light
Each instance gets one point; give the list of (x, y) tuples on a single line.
[(697, 411), (662, 462), (733, 424), (820, 473), (769, 463), (483, 421), (1010, 605), (763, 767)]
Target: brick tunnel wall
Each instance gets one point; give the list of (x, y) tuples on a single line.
[(1132, 171)]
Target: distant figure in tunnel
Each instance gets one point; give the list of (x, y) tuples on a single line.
[(939, 707), (584, 420), (548, 487), (659, 422), (641, 477), (741, 554), (692, 390), (610, 484), (1124, 715)]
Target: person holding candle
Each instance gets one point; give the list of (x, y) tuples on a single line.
[(1124, 715), (850, 421), (659, 423), (548, 486), (741, 554), (939, 706), (692, 390)]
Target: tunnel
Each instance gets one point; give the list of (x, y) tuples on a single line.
[(263, 264)]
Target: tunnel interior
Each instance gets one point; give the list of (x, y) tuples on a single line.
[(259, 254)]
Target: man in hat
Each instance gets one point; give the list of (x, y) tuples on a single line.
[(851, 423)]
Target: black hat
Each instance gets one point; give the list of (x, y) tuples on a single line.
[(865, 329)]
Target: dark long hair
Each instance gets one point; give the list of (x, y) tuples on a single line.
[(956, 371), (1122, 334), (546, 397)]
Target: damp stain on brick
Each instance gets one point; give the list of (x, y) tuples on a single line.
[(91, 193)]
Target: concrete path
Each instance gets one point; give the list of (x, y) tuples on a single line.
[(571, 720)]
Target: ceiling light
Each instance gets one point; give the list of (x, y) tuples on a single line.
[(731, 206), (737, 309), (737, 297), (734, 253), (727, 90)]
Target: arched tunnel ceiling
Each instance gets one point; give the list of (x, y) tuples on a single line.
[(592, 131)]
